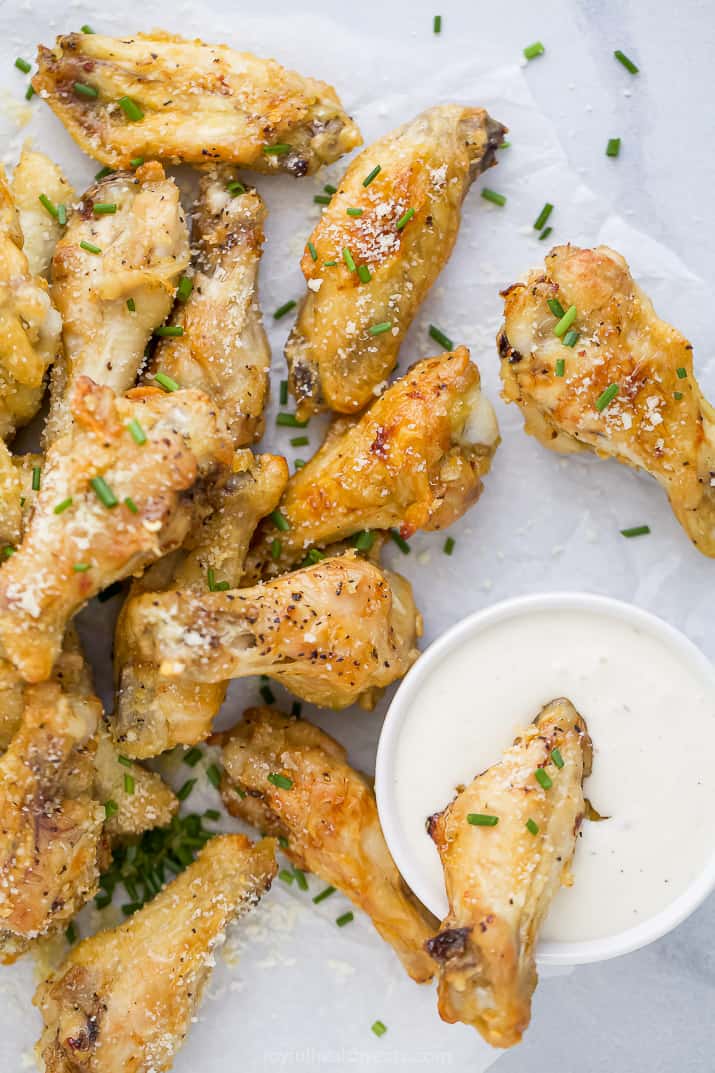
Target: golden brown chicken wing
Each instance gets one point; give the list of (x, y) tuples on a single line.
[(152, 712), (35, 177), (223, 349), (115, 494), (506, 844), (115, 271), (158, 95), (622, 384), (328, 815), (123, 1000), (331, 633), (414, 460), (385, 238)]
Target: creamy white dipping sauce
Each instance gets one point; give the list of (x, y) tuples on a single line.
[(651, 714)]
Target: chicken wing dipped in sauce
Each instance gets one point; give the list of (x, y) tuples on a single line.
[(506, 844), (414, 460), (124, 999), (43, 197), (332, 633), (380, 244), (160, 96), (591, 365), (326, 811)]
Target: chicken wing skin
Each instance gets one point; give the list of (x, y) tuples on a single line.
[(396, 248), (331, 633), (414, 460), (152, 712), (124, 999), (34, 176), (329, 818), (29, 324), (193, 103), (656, 420), (107, 504), (133, 255), (501, 879), (224, 349)]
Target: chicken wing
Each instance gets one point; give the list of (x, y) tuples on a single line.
[(415, 460), (379, 246), (34, 177), (115, 272), (152, 712), (123, 1000), (223, 349), (623, 385), (502, 873), (115, 494), (158, 95), (331, 633), (329, 818), (29, 324)]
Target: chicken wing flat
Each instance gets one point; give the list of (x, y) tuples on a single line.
[(114, 277), (329, 818), (223, 349), (157, 95), (414, 460), (34, 177), (383, 256), (107, 506), (123, 1000), (331, 633), (152, 712), (625, 388), (506, 844), (29, 325)]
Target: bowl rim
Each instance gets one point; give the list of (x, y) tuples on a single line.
[(549, 952)]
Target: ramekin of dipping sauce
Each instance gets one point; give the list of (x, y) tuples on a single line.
[(648, 696)]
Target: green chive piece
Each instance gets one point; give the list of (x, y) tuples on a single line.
[(48, 204), (314, 556), (286, 876), (606, 396), (532, 827), (346, 918), (378, 1027), (213, 774), (505, 145), (614, 147), (36, 471), (682, 373), (29, 92), (400, 541), (276, 549), (213, 584), (136, 162), (71, 933), (137, 432), (290, 421), (329, 264), (103, 492), (636, 530), (532, 51), (236, 187), (111, 808), (301, 881), (131, 305), (280, 521), (628, 64), (543, 779), (186, 286), (86, 29), (348, 258), (364, 273), (571, 338), (555, 306), (80, 568), (482, 819), (193, 756), (364, 541), (404, 219), (62, 507), (125, 761), (129, 783), (212, 814), (131, 505), (330, 189), (186, 789), (283, 393), (298, 463), (8, 550), (169, 331), (325, 893), (354, 212), (281, 781), (104, 208), (381, 328), (23, 65), (372, 175), (449, 545), (439, 337), (90, 247), (560, 368), (321, 199), (312, 251), (543, 216), (276, 150), (103, 173), (677, 395), (545, 233), (285, 308), (296, 708), (299, 441), (493, 196), (83, 90), (131, 109), (166, 382), (267, 694), (557, 758), (566, 321)]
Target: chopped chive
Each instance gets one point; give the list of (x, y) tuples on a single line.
[(449, 545), (571, 338), (372, 175), (86, 29), (301, 881), (628, 64), (532, 827), (682, 373), (400, 541), (636, 530), (131, 305), (212, 814), (482, 819), (62, 507), (129, 783), (103, 173), (71, 933), (166, 382), (169, 330), (137, 432), (280, 521), (81, 568), (312, 251), (267, 694), (111, 590), (29, 92), (136, 162), (325, 893), (90, 247), (364, 541), (213, 774), (329, 264), (48, 204), (8, 550), (439, 337), (104, 208), (131, 505), (566, 321), (213, 584), (290, 421), (493, 196), (329, 189), (348, 258), (103, 492), (505, 145), (125, 761), (193, 756), (614, 147), (677, 395), (283, 393), (364, 273), (545, 233), (321, 199), (543, 779), (532, 51), (404, 219), (543, 216), (131, 109), (276, 150), (354, 212), (236, 187), (314, 556), (281, 781), (186, 286), (298, 463), (83, 90), (381, 328), (346, 918), (282, 310), (23, 65), (286, 875), (186, 789), (299, 441), (36, 471), (377, 1026), (606, 396), (111, 808), (557, 758), (555, 306), (276, 549), (560, 368)]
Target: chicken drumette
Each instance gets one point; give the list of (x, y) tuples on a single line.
[(36, 177)]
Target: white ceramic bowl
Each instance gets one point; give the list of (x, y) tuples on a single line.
[(548, 952)]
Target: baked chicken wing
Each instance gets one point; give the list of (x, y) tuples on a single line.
[(158, 95), (115, 494), (328, 815), (35, 177), (414, 460), (331, 633), (123, 1000), (223, 349), (114, 272), (152, 712), (623, 385), (385, 243), (506, 844)]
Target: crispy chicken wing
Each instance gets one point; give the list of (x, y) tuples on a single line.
[(329, 818), (501, 878), (152, 712), (107, 506), (37, 176), (223, 349), (331, 633), (118, 287), (415, 460), (385, 255), (626, 387), (157, 95), (123, 1000)]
